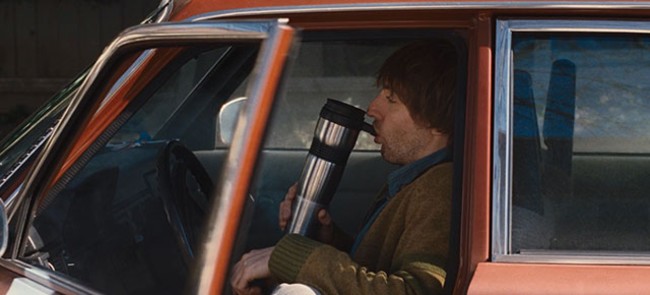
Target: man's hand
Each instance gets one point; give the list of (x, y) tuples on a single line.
[(252, 266), (326, 232)]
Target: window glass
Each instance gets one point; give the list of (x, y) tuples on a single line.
[(341, 65), (580, 142), (25, 142), (151, 118), (344, 70), (128, 221)]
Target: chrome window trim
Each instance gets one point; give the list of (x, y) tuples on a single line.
[(46, 278), (161, 14), (502, 141), (20, 163), (578, 257), (561, 5), (165, 10), (11, 199)]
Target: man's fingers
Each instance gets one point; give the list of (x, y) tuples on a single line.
[(291, 194), (236, 279), (285, 206), (324, 217), (253, 265), (285, 214), (240, 278), (253, 291)]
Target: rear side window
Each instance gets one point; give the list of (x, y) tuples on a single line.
[(574, 127)]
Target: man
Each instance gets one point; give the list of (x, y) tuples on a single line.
[(403, 246)]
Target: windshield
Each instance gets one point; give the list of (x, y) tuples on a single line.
[(18, 147)]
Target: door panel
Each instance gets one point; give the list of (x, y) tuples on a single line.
[(509, 278)]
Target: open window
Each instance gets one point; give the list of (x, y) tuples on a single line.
[(341, 65)]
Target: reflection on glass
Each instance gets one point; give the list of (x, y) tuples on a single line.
[(128, 221), (581, 142)]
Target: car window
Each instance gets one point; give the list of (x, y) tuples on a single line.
[(580, 143), (128, 222), (344, 70), (151, 118), (340, 65)]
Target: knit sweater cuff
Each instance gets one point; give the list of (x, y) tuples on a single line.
[(289, 256)]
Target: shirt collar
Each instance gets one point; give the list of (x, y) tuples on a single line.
[(407, 173)]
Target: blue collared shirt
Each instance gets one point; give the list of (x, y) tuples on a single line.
[(407, 173), (396, 180)]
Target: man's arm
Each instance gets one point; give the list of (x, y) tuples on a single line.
[(332, 271), (412, 242)]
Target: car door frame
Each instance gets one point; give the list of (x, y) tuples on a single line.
[(276, 39)]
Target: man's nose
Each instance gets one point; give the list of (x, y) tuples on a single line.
[(372, 108)]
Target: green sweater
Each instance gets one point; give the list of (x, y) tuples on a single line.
[(403, 252)]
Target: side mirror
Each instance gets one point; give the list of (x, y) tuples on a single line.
[(228, 115), (4, 228)]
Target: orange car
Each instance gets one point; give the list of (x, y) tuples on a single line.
[(167, 160)]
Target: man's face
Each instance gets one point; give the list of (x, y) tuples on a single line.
[(402, 139)]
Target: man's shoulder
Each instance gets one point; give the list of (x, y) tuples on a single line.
[(441, 171), (436, 178), (430, 190)]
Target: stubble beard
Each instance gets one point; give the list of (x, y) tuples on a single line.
[(402, 150)]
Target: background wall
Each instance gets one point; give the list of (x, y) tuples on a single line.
[(46, 43)]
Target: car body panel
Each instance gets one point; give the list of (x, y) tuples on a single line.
[(6, 278), (509, 278), (256, 8), (475, 220)]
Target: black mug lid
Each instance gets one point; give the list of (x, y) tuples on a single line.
[(343, 114)]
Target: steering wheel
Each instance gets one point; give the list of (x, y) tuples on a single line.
[(184, 187)]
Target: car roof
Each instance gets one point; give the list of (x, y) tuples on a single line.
[(199, 9)]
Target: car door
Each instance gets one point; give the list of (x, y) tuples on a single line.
[(570, 161), (101, 211)]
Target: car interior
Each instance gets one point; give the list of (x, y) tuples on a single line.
[(127, 217)]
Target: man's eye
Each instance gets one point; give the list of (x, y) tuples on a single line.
[(391, 99)]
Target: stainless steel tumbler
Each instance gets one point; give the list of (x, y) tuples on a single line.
[(335, 135)]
